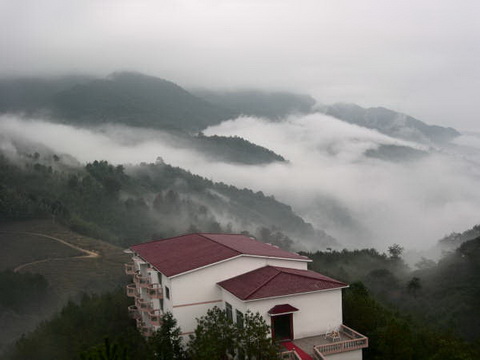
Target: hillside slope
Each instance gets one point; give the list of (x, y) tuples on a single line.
[(29, 247)]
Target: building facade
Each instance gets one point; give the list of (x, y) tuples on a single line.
[(189, 274)]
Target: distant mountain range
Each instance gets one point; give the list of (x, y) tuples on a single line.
[(270, 105), (139, 100), (391, 123)]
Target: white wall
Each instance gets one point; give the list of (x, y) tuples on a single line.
[(318, 312), (200, 285), (197, 287), (349, 355)]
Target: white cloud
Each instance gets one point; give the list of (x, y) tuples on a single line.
[(328, 180)]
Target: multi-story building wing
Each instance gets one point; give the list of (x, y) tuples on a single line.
[(189, 274)]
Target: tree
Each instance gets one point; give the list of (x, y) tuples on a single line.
[(217, 337), (105, 352), (413, 286), (166, 343), (214, 337), (254, 339), (395, 251)]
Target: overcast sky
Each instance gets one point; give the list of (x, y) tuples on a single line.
[(417, 57)]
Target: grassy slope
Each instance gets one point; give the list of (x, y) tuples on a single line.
[(67, 274)]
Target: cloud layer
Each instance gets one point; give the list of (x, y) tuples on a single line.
[(328, 180)]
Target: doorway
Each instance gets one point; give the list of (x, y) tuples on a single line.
[(282, 327)]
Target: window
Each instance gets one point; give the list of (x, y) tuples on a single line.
[(239, 319), (229, 311), (167, 292)]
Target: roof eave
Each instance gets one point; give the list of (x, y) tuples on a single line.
[(283, 296), (236, 257)]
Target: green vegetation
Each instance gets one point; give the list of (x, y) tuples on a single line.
[(22, 292), (39, 289), (20, 248), (234, 149), (217, 337), (166, 343), (394, 336), (128, 205), (434, 309), (396, 153), (81, 329), (108, 333)]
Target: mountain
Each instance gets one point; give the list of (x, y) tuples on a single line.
[(234, 149), (271, 105), (137, 100), (391, 123), (396, 153), (33, 95)]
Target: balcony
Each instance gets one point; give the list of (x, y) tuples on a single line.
[(334, 342), (144, 329), (155, 291), (141, 280), (143, 305), (133, 312), (155, 317), (132, 290), (129, 269)]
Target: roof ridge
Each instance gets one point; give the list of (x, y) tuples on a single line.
[(265, 282), (219, 243), (158, 240), (307, 275)]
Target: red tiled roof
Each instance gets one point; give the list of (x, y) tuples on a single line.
[(282, 309), (271, 281), (179, 254)]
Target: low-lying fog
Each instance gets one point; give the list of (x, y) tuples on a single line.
[(328, 180)]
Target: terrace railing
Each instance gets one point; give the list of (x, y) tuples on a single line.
[(129, 269), (133, 312), (155, 317), (132, 290), (155, 291), (141, 280), (356, 341), (143, 305)]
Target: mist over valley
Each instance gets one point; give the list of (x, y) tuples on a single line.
[(367, 183)]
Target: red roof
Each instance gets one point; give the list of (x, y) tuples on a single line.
[(282, 309), (271, 281), (180, 254)]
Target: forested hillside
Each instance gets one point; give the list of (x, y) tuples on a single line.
[(126, 205), (443, 294)]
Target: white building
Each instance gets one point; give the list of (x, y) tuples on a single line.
[(189, 274)]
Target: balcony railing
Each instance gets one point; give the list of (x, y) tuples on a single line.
[(155, 317), (155, 291), (141, 280), (132, 290), (144, 329), (129, 269), (356, 341), (133, 312), (143, 305)]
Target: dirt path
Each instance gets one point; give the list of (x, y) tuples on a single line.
[(88, 253)]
